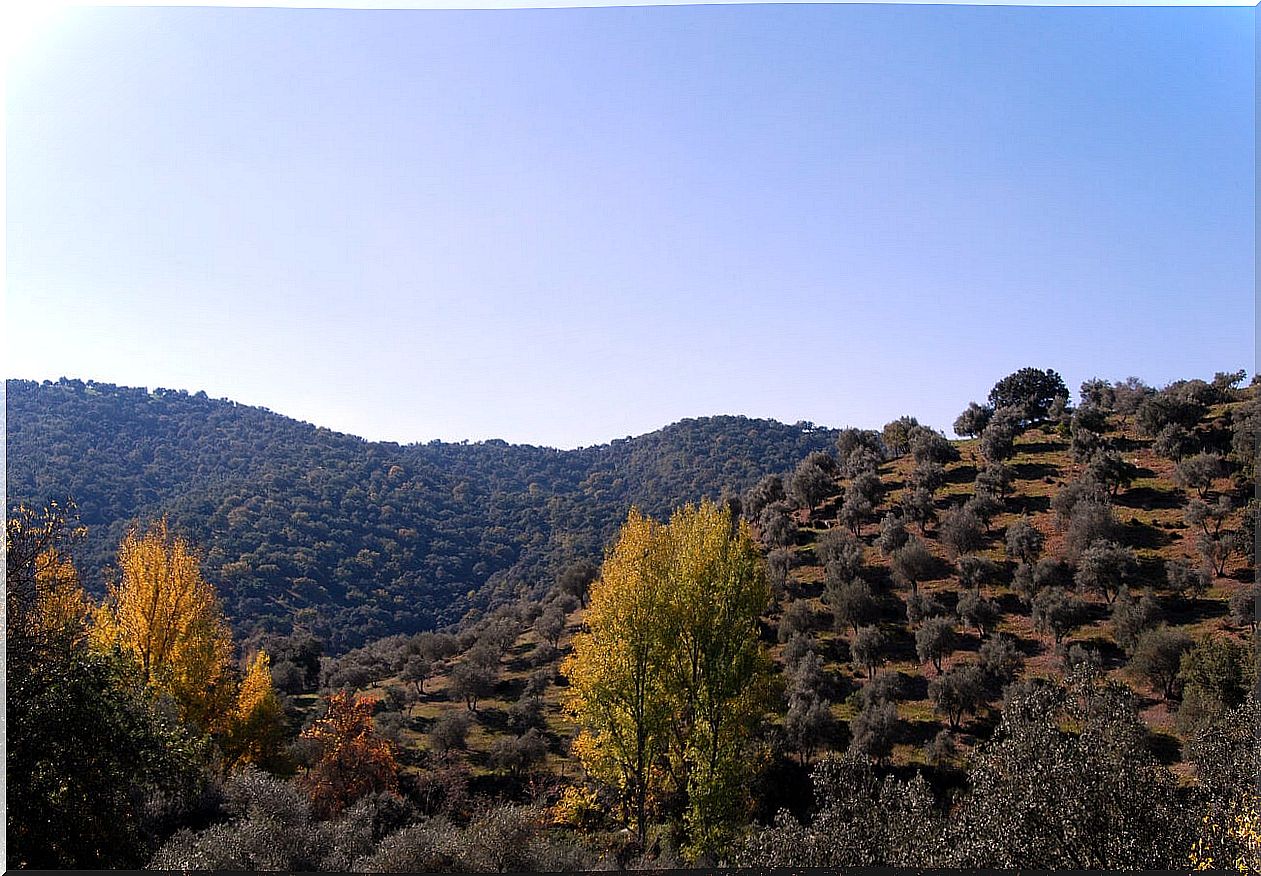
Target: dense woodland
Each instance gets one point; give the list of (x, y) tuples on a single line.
[(356, 539), (1032, 648)]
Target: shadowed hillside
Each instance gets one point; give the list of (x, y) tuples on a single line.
[(357, 539)]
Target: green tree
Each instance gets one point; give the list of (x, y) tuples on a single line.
[(670, 669), (1029, 390)]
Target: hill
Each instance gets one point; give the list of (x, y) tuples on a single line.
[(1149, 514), (357, 539)]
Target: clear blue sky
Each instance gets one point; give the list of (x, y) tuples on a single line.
[(566, 226)]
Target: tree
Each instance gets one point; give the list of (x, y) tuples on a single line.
[(471, 680), (797, 618), (961, 531), (912, 563), (670, 666), (1210, 518), (1243, 608), (1186, 579), (841, 554), (517, 756), (974, 572), (917, 506), (1133, 617), (778, 528), (810, 483), (168, 617), (1162, 409), (1097, 393), (1199, 472), (417, 670), (550, 625), (93, 764), (984, 506), (1111, 472), (960, 690), (1093, 797), (779, 562), (576, 580), (449, 732), (995, 479), (929, 476), (1105, 566), (855, 509), (1128, 396), (1024, 541), (1091, 522), (920, 606), (1001, 660), (851, 601), (1056, 612), (850, 439), (893, 534), (927, 445), (873, 730), (973, 420), (998, 439), (1215, 552), (934, 641), (1175, 443), (350, 760), (1217, 665), (767, 491), (897, 435), (256, 727), (867, 648), (809, 718), (1158, 657), (978, 612), (1029, 390)]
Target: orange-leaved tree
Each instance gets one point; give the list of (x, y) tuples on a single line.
[(351, 760)]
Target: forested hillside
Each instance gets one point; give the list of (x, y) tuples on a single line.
[(1032, 648), (358, 539)]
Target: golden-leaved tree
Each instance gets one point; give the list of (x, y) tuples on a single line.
[(668, 679), (256, 726), (163, 613)]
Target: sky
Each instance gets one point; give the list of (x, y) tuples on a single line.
[(564, 226)]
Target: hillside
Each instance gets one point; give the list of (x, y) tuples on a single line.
[(1148, 516), (358, 539)]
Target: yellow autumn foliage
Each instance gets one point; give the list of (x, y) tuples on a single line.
[(169, 618), (668, 676)]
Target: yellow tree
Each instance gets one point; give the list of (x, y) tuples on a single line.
[(256, 730), (719, 675), (168, 617), (617, 669), (669, 671)]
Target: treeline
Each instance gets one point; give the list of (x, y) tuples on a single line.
[(357, 540)]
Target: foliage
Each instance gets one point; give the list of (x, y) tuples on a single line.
[(94, 765), (934, 641), (670, 669), (350, 760), (164, 614), (295, 518), (1029, 390), (1043, 797), (1158, 658)]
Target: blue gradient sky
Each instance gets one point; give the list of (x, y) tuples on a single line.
[(566, 226)]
